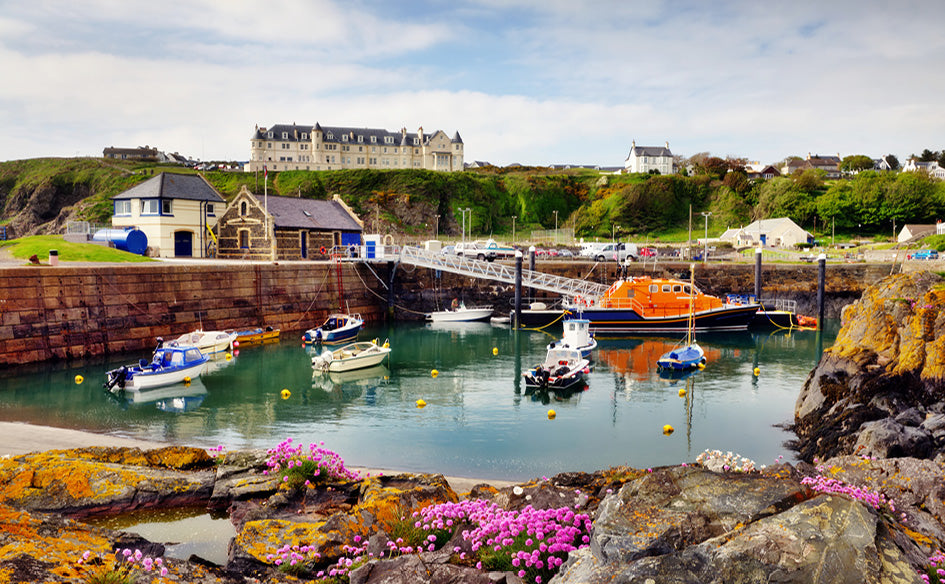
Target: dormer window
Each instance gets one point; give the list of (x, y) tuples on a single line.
[(373, 139), (269, 134), (344, 137), (330, 136), (388, 140), (285, 135), (360, 139), (416, 141), (304, 136)]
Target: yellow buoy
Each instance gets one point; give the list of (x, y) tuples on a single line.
[(682, 393), (667, 429), (79, 379), (495, 350), (701, 366), (552, 414), (434, 373), (286, 394), (186, 381), (757, 371), (228, 356), (421, 403)]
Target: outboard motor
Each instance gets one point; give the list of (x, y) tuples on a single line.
[(116, 377)]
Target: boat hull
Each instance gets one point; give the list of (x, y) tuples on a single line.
[(460, 315), (333, 334), (572, 381), (621, 322), (350, 357)]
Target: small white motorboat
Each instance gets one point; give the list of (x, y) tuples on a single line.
[(349, 357), (563, 368), (577, 335), (209, 342), (460, 313), (337, 328), (169, 365)]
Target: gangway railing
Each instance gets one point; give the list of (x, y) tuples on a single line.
[(457, 264)]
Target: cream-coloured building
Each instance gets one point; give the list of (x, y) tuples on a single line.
[(294, 147), (780, 232), (175, 211), (646, 158)]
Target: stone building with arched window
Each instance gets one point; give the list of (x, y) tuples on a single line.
[(285, 228)]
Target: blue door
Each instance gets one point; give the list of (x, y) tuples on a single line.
[(183, 244), (303, 243)]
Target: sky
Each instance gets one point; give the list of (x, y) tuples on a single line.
[(533, 82)]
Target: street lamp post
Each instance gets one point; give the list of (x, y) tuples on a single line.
[(436, 234), (556, 226), (469, 227), (705, 253), (514, 217)]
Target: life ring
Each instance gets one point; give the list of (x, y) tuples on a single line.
[(323, 250)]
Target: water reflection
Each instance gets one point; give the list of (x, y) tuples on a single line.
[(478, 420)]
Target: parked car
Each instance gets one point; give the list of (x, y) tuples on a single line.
[(925, 254), (648, 252)]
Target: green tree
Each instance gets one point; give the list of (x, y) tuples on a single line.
[(910, 198), (892, 161), (928, 155), (836, 207), (782, 197), (809, 180), (867, 191), (856, 163)]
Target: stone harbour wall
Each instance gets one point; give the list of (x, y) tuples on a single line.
[(70, 312)]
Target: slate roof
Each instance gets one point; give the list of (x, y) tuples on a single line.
[(334, 133), (168, 185), (651, 151), (296, 213)]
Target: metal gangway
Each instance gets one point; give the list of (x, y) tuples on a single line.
[(568, 287)]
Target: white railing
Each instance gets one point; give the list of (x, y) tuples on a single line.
[(456, 264)]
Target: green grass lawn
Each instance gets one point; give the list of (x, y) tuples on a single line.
[(39, 245)]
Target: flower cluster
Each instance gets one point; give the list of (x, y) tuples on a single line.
[(935, 573), (295, 466), (295, 560), (822, 484), (217, 453), (122, 568), (716, 460), (533, 542)]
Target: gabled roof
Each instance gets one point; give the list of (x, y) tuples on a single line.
[(650, 151), (168, 185), (296, 213)]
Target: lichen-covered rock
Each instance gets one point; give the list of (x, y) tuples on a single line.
[(888, 359), (77, 482), (675, 507), (413, 569)]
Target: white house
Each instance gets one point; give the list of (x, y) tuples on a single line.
[(912, 231), (780, 232), (646, 158), (932, 168), (175, 211)]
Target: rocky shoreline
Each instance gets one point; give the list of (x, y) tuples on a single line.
[(866, 505)]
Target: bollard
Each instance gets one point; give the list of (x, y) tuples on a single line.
[(54, 257), (517, 321), (821, 284)]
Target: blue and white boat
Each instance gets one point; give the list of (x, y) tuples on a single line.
[(577, 335), (688, 355), (169, 365), (337, 328)]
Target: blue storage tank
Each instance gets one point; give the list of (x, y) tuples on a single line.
[(130, 239)]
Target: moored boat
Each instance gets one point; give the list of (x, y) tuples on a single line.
[(563, 368), (256, 335), (461, 313), (209, 342), (577, 335), (661, 305), (689, 355), (337, 328), (169, 365), (350, 357)]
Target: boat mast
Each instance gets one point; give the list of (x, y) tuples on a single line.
[(691, 321)]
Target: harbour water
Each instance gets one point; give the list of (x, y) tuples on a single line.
[(479, 420)]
